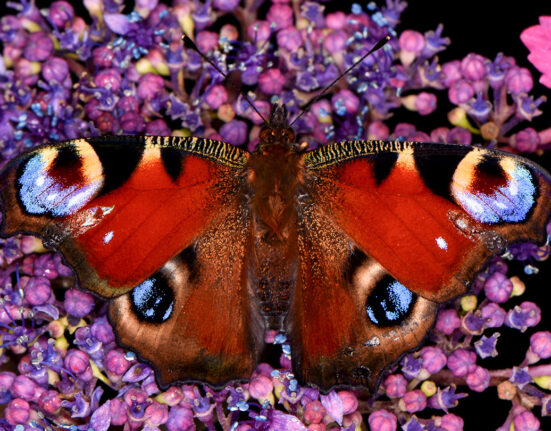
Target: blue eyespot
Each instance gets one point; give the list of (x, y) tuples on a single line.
[(390, 302), (40, 193), (510, 203), (153, 300)]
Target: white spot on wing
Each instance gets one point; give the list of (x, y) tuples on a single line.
[(108, 237), (441, 242)]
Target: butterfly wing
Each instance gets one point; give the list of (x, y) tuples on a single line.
[(122, 210), (415, 223)]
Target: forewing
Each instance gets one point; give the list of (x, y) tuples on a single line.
[(118, 208), (430, 214)]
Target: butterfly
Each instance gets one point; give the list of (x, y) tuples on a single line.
[(200, 247)]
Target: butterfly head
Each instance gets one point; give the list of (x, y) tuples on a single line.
[(277, 130)]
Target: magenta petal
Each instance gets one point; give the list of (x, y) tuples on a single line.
[(285, 422), (118, 23), (333, 405), (101, 418)]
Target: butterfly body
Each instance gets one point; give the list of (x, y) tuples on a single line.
[(200, 246)]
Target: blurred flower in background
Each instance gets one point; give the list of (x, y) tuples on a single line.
[(107, 72)]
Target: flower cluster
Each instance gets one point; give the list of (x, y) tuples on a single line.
[(65, 76)]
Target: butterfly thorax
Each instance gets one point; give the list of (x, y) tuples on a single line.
[(274, 174)]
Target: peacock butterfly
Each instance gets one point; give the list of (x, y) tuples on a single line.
[(200, 246)]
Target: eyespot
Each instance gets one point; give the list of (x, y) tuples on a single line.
[(389, 303), (153, 300)]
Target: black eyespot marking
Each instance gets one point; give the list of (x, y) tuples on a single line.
[(356, 259), (189, 258), (119, 157), (436, 168), (491, 167), (389, 303), (173, 160), (67, 157), (383, 163), (153, 300)]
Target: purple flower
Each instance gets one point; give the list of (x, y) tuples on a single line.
[(38, 47), (271, 81), (414, 401), (17, 412), (109, 79), (451, 72), (473, 323), (289, 39), (546, 406), (451, 422), (425, 103), (445, 399), (518, 80), (478, 379), (498, 288), (335, 42), (101, 418), (50, 401), (460, 136), (520, 377), (37, 290), (314, 412), (540, 344), (486, 346), (78, 303), (156, 414), (382, 420), (527, 140), (526, 421), (116, 363), (433, 359), (473, 67), (118, 411), (413, 424), (480, 108), (280, 16), (493, 315), (411, 367), (280, 421), (460, 92), (150, 86), (349, 402), (225, 5), (462, 362), (523, 316), (395, 385), (77, 362), (180, 419), (411, 43), (447, 321), (234, 132)]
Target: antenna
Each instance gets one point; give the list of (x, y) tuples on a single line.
[(313, 100), (188, 43)]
